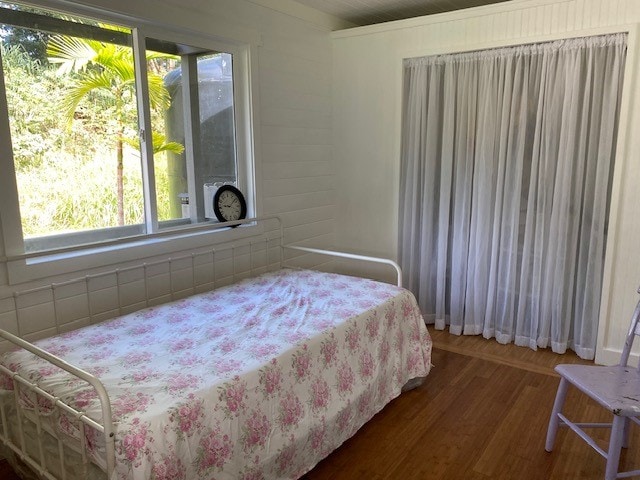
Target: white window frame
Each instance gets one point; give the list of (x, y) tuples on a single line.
[(24, 267)]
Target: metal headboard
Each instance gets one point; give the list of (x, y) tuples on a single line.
[(152, 282)]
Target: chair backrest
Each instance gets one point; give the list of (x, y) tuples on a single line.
[(634, 329)]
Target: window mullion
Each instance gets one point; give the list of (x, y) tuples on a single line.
[(146, 135), (191, 114), (245, 167), (10, 212)]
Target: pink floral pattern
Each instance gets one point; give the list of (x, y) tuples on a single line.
[(271, 379), (170, 467), (255, 430), (291, 411), (373, 327), (329, 350), (286, 459), (346, 379), (259, 380), (134, 445), (188, 417), (214, 451), (367, 364), (129, 403), (233, 396), (301, 363), (318, 434), (320, 394)]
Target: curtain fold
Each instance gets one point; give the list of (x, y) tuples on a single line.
[(507, 157)]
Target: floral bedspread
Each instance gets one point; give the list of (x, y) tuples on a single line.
[(258, 380)]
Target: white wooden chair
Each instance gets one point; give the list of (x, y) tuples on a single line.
[(616, 388)]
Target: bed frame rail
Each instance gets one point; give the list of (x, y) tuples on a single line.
[(351, 256)]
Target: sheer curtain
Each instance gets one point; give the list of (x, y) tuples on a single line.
[(507, 158)]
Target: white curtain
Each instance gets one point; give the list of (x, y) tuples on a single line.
[(507, 158)]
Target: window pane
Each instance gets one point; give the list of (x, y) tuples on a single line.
[(72, 111), (200, 86), (217, 132), (167, 122), (216, 165)]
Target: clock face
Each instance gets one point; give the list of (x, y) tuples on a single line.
[(229, 204)]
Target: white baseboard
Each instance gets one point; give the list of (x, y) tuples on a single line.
[(608, 356)]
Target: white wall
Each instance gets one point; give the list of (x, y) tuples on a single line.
[(291, 60), (366, 128)]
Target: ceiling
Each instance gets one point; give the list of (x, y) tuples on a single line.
[(367, 12)]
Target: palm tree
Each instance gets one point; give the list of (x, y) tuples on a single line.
[(108, 70)]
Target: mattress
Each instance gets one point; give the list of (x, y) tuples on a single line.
[(261, 379)]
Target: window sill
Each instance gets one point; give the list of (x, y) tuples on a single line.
[(86, 258)]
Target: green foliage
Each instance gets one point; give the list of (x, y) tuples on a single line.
[(74, 196), (33, 42), (36, 128), (104, 68), (35, 123), (160, 144), (64, 195), (64, 157)]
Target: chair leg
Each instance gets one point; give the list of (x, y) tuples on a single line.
[(625, 433), (615, 444), (557, 408)]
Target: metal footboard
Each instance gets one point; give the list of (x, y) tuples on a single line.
[(39, 464)]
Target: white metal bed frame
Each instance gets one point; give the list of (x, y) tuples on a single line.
[(20, 449)]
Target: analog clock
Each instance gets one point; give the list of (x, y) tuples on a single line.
[(229, 204)]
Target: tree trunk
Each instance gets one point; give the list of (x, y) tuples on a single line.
[(120, 181)]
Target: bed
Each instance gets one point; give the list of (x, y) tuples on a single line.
[(259, 379)]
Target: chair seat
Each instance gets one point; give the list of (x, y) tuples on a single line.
[(616, 388)]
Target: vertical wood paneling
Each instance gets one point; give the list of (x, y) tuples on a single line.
[(295, 93), (514, 24), (570, 23), (297, 168), (555, 19), (540, 21), (586, 13)]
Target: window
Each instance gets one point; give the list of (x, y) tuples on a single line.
[(114, 133)]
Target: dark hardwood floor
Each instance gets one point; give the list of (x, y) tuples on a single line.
[(481, 414), (6, 473)]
